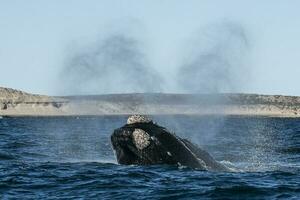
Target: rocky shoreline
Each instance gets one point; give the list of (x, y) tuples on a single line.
[(18, 103)]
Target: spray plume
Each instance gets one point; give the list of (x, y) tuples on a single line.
[(116, 64), (216, 62)]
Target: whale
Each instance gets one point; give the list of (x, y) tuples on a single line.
[(143, 142)]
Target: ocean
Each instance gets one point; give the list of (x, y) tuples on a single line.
[(72, 158)]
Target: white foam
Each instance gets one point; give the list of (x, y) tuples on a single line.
[(230, 166)]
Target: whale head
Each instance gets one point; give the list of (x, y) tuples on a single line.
[(140, 141)]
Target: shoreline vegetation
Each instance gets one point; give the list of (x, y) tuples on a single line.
[(19, 103)]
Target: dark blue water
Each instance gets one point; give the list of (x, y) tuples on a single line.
[(71, 158)]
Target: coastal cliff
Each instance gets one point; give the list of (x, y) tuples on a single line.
[(15, 102), (18, 103)]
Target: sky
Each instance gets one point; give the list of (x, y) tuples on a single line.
[(182, 46)]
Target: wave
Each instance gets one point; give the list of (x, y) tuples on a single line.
[(7, 156)]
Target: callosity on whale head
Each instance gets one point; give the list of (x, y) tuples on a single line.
[(143, 142)]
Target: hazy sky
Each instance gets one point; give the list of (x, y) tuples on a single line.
[(38, 37)]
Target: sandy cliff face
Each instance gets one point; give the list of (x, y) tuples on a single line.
[(15, 102), (11, 95)]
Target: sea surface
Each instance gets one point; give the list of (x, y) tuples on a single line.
[(72, 158)]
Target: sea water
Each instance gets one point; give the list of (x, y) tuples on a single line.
[(71, 158)]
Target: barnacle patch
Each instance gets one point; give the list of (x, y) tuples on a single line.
[(141, 139), (138, 119)]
